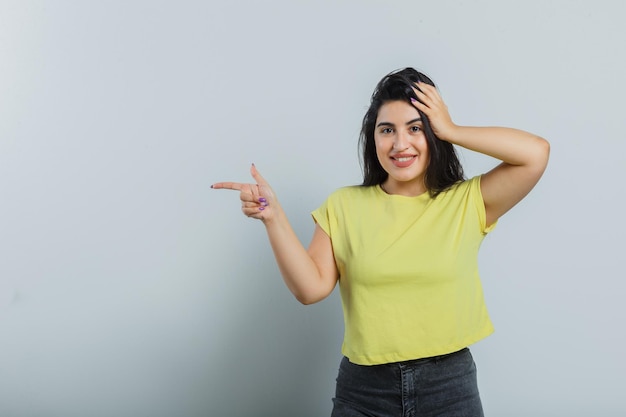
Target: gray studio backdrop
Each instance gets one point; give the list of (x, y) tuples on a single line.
[(129, 288)]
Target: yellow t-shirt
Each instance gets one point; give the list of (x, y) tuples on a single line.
[(408, 270)]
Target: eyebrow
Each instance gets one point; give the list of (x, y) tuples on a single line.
[(410, 122)]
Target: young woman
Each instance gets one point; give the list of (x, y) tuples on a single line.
[(403, 247)]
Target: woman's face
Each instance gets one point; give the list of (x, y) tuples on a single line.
[(401, 148)]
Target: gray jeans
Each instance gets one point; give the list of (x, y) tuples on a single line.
[(443, 386)]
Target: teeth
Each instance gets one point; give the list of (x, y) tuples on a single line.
[(407, 158)]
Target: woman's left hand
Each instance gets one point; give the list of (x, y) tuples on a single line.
[(432, 105)]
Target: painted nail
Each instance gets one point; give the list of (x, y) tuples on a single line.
[(262, 200), (261, 208), (211, 185), (413, 100)]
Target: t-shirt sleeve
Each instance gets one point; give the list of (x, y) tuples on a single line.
[(477, 198), (321, 216)]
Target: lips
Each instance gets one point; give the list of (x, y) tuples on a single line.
[(403, 160)]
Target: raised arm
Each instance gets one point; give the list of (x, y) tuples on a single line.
[(311, 275), (524, 156)]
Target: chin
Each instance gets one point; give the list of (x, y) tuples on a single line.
[(406, 179)]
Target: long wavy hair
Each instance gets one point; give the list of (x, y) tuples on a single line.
[(444, 168)]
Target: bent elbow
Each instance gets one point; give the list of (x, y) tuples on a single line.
[(314, 293), (308, 300), (313, 297), (542, 154), (545, 148)]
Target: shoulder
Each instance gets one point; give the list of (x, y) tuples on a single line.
[(462, 192), (346, 198), (352, 192), (463, 187)]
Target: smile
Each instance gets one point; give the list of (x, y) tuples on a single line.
[(403, 161)]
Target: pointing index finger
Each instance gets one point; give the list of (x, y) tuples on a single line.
[(228, 186)]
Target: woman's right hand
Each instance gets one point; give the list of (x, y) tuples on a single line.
[(310, 275), (257, 200)]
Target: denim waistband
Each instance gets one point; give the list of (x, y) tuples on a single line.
[(437, 358)]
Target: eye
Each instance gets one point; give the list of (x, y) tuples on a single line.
[(386, 130), (416, 129)]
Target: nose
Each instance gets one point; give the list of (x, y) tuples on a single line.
[(401, 141)]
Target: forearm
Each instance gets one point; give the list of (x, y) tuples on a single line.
[(512, 146), (299, 271), (309, 274)]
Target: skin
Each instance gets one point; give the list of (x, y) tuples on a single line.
[(398, 133), (524, 156), (311, 274)]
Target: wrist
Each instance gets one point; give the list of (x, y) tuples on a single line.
[(275, 218), (450, 134)]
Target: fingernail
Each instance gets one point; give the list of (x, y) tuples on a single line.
[(211, 185), (262, 200), (261, 208), (413, 100)]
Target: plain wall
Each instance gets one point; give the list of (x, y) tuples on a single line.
[(129, 288)]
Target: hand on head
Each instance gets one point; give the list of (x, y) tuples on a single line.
[(432, 105), (257, 200)]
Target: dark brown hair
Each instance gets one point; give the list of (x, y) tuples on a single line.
[(444, 168)]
